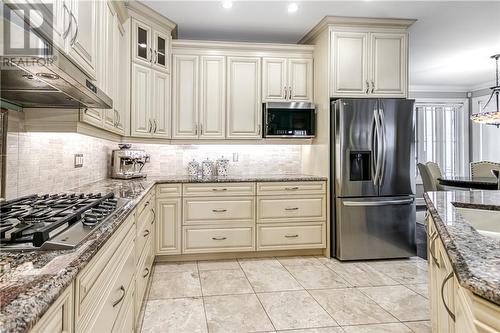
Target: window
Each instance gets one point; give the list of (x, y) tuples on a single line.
[(442, 136)]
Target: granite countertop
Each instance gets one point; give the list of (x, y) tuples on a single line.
[(475, 258), (30, 281)]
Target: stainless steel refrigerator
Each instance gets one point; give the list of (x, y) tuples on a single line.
[(373, 170)]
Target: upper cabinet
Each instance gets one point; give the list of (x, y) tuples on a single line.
[(150, 46), (244, 107), (368, 64), (287, 79)]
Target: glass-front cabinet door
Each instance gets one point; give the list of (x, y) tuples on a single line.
[(142, 49), (160, 51)]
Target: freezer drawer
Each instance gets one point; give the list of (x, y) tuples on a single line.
[(375, 228)]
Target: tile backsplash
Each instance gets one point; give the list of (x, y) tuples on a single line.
[(44, 162)]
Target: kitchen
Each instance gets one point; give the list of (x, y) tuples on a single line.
[(226, 166)]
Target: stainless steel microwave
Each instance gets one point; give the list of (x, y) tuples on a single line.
[(289, 120)]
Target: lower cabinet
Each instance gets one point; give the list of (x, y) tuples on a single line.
[(218, 238), (454, 308), (59, 317), (276, 236)]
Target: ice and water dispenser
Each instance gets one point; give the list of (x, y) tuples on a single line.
[(360, 165)]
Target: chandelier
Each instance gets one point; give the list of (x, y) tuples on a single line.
[(491, 117)]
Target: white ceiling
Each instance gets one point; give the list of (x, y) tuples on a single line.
[(450, 44)]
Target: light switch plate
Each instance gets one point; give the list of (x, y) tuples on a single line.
[(78, 160), (235, 157)]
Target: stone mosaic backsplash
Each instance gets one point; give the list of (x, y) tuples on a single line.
[(44, 162)]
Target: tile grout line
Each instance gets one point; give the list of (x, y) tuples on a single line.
[(255, 293), (321, 306), (202, 298)]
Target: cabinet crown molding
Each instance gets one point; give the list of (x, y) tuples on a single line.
[(151, 15), (349, 21), (186, 44)]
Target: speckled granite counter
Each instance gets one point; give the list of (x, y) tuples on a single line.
[(30, 281), (475, 257)]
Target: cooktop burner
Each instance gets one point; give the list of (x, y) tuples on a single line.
[(53, 221)]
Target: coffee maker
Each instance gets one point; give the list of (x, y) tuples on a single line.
[(128, 163)]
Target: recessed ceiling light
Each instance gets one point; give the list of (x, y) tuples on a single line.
[(227, 4), (293, 7)]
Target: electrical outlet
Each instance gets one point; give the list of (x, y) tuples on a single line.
[(235, 157), (78, 160)]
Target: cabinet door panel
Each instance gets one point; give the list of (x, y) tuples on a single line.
[(107, 47), (300, 79), (160, 51), (141, 101), (168, 226), (92, 116), (160, 113), (388, 69), (185, 97), (212, 97), (82, 47), (244, 102), (274, 81), (141, 42), (349, 63)]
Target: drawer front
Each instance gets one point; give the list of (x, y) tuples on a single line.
[(288, 209), (168, 190), (291, 236), (219, 210), (218, 189), (95, 277), (102, 314), (143, 274), (230, 239), (286, 188), (146, 202), (125, 323), (145, 230)]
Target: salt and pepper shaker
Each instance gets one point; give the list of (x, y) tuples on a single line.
[(193, 168), (222, 166)]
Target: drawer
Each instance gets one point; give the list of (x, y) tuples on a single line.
[(218, 239), (125, 323), (168, 190), (219, 210), (143, 274), (291, 236), (94, 278), (289, 209), (218, 189), (106, 302), (147, 201), (286, 188), (145, 231)]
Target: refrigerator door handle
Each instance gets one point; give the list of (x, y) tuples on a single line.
[(383, 145), (378, 155), (378, 203), (373, 145)]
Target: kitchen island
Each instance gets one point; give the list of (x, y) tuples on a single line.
[(464, 260), (33, 282)]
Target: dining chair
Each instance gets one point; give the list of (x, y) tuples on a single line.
[(483, 169), (429, 183), (435, 173)]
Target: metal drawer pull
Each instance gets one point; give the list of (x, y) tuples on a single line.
[(291, 188), (451, 314), (154, 215), (432, 249), (219, 210), (219, 238), (147, 272), (115, 303), (146, 232), (219, 189), (291, 236), (146, 204), (292, 208)]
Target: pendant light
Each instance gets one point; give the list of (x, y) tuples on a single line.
[(491, 117)]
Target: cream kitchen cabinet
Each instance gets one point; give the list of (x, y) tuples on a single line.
[(59, 317), (244, 108), (150, 102), (199, 93), (169, 219), (287, 79), (368, 63), (453, 307), (150, 46)]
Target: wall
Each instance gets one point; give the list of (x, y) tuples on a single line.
[(484, 138), (43, 162)]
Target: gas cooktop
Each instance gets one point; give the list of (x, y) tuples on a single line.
[(54, 221)]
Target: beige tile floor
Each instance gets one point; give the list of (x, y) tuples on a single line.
[(293, 294)]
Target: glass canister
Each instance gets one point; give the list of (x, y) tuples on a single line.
[(207, 168), (193, 168), (222, 166)]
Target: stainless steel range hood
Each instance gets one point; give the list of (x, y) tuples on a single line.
[(48, 79)]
